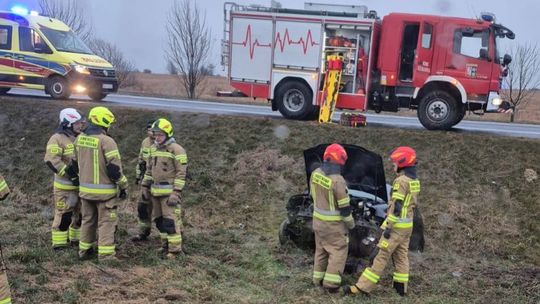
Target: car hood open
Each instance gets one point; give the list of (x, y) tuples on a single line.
[(363, 171)]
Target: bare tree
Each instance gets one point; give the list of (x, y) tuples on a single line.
[(110, 52), (171, 68), (71, 13), (523, 78), (189, 44)]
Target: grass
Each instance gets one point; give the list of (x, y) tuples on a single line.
[(480, 213)]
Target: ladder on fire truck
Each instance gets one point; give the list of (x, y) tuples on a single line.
[(332, 81)]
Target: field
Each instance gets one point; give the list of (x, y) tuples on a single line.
[(479, 200), (168, 86)]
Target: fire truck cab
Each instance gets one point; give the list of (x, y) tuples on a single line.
[(441, 66)]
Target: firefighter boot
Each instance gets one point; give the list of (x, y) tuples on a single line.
[(400, 288), (141, 237), (164, 249), (353, 290)]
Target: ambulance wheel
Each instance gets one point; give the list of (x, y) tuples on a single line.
[(58, 88), (97, 96), (294, 100), (4, 91), (283, 232), (438, 110)]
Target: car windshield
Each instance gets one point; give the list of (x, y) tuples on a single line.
[(66, 41)]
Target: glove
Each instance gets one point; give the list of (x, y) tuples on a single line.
[(123, 194), (350, 224), (72, 170), (386, 233), (145, 193), (174, 199), (75, 181)]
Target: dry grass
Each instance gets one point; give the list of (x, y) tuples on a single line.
[(479, 201)]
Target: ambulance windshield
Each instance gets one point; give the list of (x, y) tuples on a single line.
[(66, 41)]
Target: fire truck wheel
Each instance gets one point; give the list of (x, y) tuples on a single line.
[(438, 110), (97, 96), (294, 100), (4, 90), (58, 87)]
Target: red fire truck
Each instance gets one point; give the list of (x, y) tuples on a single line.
[(441, 66)]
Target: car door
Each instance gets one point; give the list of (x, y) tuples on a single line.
[(7, 73), (32, 61)]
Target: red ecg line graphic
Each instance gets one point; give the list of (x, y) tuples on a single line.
[(287, 40), (282, 42), (252, 44)]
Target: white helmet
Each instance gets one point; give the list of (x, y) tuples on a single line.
[(69, 116)]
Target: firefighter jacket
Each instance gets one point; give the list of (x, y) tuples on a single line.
[(100, 168), (144, 154), (332, 209), (60, 152), (4, 189), (404, 199), (166, 169)]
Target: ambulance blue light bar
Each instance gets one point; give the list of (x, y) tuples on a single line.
[(19, 10)]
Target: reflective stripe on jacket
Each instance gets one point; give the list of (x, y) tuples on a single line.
[(60, 151), (166, 169), (97, 154)]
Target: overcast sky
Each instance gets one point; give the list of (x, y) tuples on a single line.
[(137, 27)]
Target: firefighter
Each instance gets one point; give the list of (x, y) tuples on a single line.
[(332, 219), (163, 183), (144, 207), (59, 153), (5, 294), (394, 242), (101, 184)]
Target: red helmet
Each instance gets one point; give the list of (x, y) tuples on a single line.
[(335, 153), (403, 157)]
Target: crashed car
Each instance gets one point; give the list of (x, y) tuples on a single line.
[(369, 193)]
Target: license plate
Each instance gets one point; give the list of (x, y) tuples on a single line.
[(107, 86)]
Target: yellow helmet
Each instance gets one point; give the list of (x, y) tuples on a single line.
[(101, 116), (163, 125)]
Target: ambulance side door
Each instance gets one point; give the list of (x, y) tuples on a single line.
[(6, 55), (33, 58)]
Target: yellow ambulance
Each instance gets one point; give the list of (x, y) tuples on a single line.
[(38, 52)]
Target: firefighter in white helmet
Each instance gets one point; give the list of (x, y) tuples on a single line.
[(58, 157)]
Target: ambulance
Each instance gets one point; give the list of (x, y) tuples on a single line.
[(42, 53)]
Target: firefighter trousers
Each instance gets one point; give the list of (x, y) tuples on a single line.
[(99, 221), (67, 218), (168, 220), (330, 256), (395, 248), (144, 215), (5, 294)]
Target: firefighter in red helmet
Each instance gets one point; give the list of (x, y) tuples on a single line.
[(332, 219), (394, 242)]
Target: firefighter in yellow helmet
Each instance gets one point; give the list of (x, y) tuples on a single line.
[(101, 184), (5, 294), (163, 182), (332, 219), (144, 207), (394, 243), (58, 156)]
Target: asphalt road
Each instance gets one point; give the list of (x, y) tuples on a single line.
[(494, 128)]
